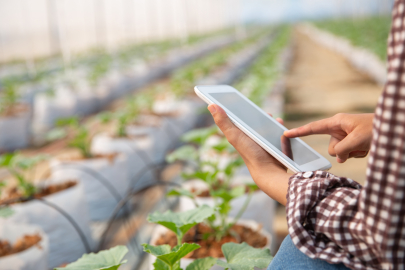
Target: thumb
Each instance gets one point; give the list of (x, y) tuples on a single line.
[(223, 122)]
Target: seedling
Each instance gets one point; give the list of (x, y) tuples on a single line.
[(218, 179), (239, 256), (20, 166), (110, 259), (123, 117), (180, 223), (80, 135), (8, 96), (99, 69)]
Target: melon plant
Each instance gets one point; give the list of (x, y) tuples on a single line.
[(218, 179), (78, 135), (20, 167), (238, 256)]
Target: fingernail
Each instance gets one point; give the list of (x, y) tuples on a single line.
[(212, 109)]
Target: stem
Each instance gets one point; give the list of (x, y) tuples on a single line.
[(179, 238), (242, 210)]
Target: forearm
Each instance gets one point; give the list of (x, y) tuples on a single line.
[(272, 180)]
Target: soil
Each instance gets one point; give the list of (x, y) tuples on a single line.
[(206, 193), (20, 245), (211, 247), (78, 157), (15, 193), (15, 110)]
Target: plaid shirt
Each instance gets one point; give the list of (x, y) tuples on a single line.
[(336, 219)]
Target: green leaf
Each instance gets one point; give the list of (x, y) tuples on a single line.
[(181, 192), (159, 265), (5, 159), (252, 187), (183, 153), (106, 260), (25, 163), (157, 250), (223, 145), (6, 212), (56, 134), (244, 257), (105, 117), (202, 264), (167, 256), (232, 166), (180, 223), (200, 135), (205, 176), (68, 121), (229, 195)]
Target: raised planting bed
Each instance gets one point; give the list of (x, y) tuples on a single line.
[(362, 58), (104, 178), (22, 247), (194, 234), (366, 32), (57, 207), (111, 83), (209, 175), (14, 118)]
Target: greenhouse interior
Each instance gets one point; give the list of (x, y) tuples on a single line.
[(110, 160)]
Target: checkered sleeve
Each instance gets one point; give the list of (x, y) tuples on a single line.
[(334, 218)]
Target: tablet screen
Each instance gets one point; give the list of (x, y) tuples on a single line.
[(270, 131)]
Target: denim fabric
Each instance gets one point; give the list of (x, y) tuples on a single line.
[(289, 257)]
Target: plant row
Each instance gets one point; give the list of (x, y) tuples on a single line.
[(30, 108), (89, 183), (369, 32)]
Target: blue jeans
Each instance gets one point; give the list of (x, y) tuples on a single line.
[(289, 257)]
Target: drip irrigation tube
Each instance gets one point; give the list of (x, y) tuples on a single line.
[(128, 196), (71, 221), (97, 176)]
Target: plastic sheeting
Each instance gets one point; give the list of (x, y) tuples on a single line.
[(15, 131), (105, 181), (65, 244), (34, 258)]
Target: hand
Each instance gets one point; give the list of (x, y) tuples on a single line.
[(351, 134), (268, 173)]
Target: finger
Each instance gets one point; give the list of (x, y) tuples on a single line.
[(317, 127), (224, 123), (358, 154), (351, 143), (332, 143), (281, 121)]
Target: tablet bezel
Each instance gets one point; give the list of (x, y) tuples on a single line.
[(203, 91)]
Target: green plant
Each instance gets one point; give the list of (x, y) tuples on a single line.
[(110, 259), (263, 74), (367, 32), (20, 167), (8, 96), (238, 256), (122, 117), (180, 223), (218, 178), (99, 69), (79, 134)]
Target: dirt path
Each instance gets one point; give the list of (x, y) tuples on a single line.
[(320, 84)]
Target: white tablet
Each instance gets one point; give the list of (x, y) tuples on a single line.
[(263, 129)]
